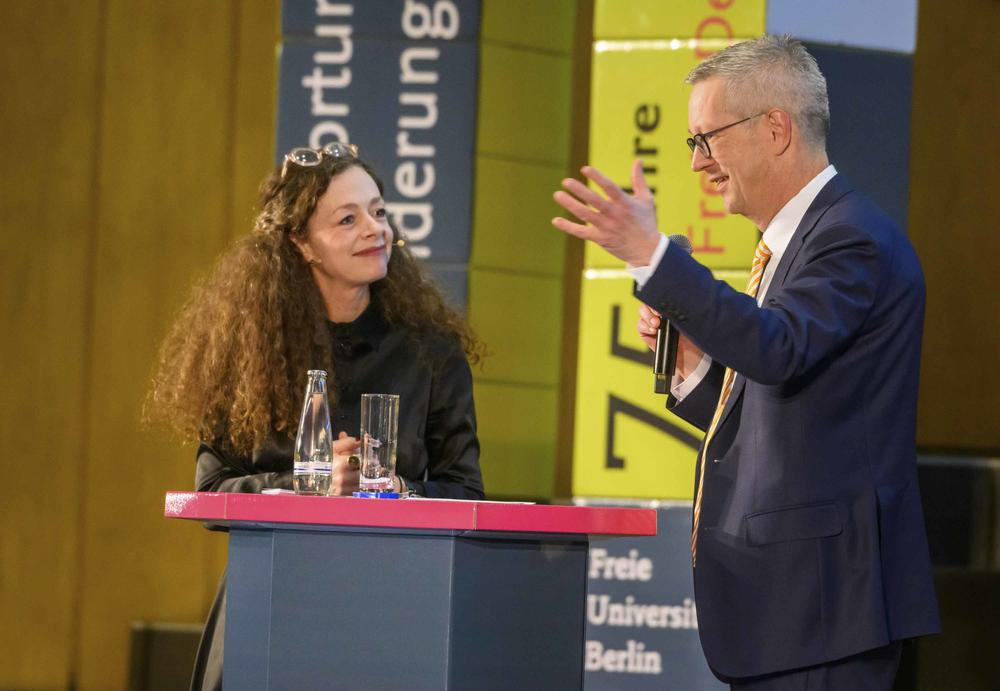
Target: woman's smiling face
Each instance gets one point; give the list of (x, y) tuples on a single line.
[(348, 239)]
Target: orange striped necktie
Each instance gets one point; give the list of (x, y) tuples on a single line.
[(760, 258)]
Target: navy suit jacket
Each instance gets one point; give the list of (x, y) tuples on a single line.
[(811, 545)]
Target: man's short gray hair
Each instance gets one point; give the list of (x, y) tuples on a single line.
[(772, 72)]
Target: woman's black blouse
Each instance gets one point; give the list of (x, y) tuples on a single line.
[(437, 452)]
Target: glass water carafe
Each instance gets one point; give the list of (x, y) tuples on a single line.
[(313, 452)]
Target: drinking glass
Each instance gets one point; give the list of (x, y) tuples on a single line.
[(379, 424)]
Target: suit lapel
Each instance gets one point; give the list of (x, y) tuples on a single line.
[(739, 383), (832, 191)]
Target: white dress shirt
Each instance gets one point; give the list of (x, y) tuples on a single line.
[(777, 235)]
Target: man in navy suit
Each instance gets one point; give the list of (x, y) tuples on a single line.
[(809, 550)]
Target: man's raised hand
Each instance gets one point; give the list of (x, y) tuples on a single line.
[(623, 224)]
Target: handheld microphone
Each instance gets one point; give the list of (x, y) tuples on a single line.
[(665, 355)]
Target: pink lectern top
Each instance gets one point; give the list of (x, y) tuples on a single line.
[(427, 514)]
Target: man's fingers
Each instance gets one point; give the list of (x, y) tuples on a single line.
[(613, 191), (585, 194), (575, 229), (645, 311), (639, 185), (648, 337), (576, 207), (645, 328)]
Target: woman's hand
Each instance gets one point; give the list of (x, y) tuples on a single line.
[(688, 354), (345, 477)]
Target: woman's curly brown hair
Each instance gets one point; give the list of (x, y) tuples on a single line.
[(233, 366)]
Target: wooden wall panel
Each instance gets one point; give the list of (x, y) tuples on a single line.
[(521, 154), (254, 119), (163, 207), (254, 114), (953, 223), (255, 104), (171, 138), (49, 56)]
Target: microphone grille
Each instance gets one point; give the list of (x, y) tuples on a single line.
[(682, 241)]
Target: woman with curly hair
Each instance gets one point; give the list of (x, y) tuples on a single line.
[(321, 282)]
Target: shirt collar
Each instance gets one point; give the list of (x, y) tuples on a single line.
[(368, 328), (779, 231)]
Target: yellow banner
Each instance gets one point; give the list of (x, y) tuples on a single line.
[(639, 110), (698, 19), (626, 443)]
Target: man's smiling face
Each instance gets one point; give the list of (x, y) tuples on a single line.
[(737, 168)]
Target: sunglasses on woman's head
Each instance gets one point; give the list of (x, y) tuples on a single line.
[(305, 157)]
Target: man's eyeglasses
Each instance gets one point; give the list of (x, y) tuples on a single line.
[(304, 157), (701, 140)]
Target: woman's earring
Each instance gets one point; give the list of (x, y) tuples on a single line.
[(314, 262)]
